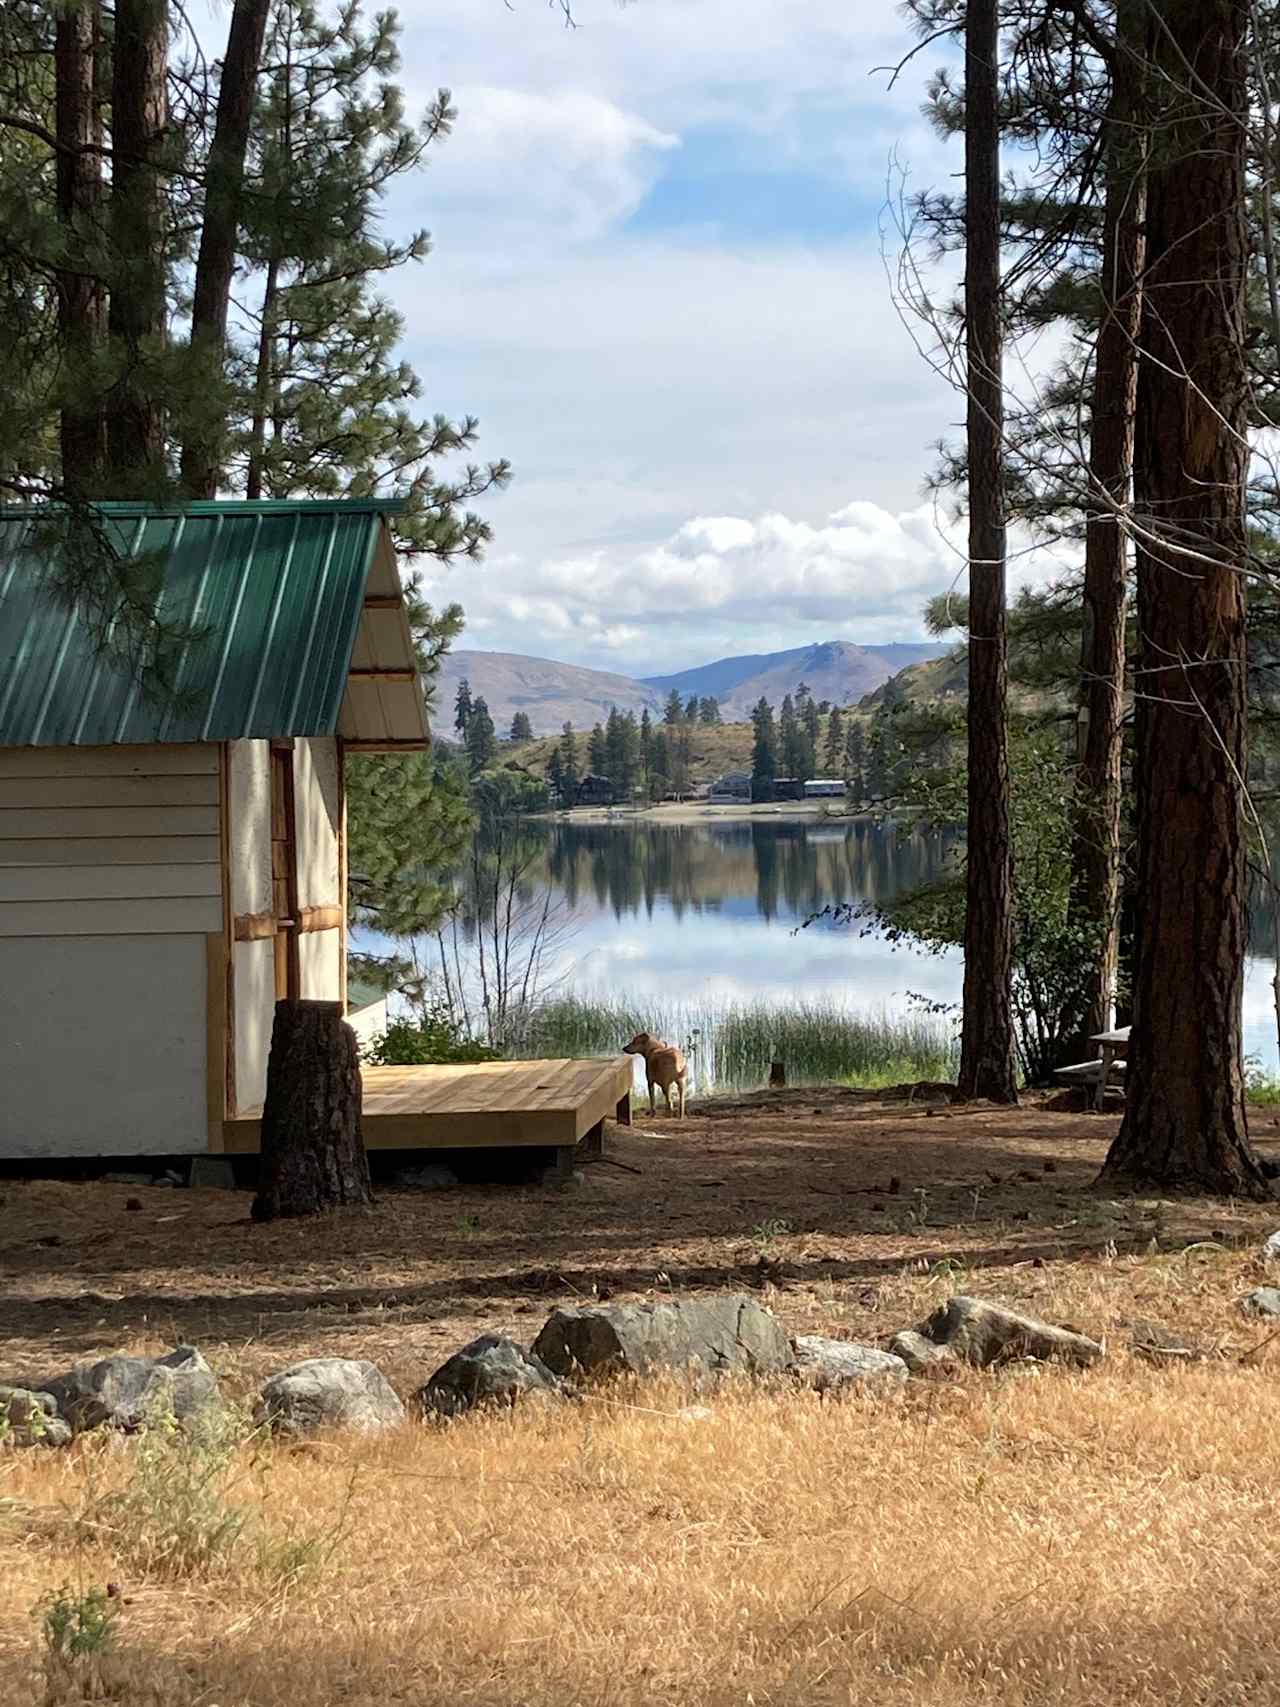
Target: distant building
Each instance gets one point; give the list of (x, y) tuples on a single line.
[(788, 788), (733, 788), (595, 791), (825, 788)]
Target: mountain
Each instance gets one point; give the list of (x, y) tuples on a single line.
[(553, 694), (834, 669)]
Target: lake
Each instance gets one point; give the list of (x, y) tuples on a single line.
[(696, 913)]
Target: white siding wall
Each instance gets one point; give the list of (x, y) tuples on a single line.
[(109, 884), (318, 798), (254, 971)]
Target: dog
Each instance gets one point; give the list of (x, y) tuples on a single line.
[(664, 1066)]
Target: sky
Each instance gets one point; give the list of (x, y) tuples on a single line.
[(659, 280)]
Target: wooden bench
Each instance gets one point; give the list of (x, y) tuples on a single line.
[(1098, 1073)]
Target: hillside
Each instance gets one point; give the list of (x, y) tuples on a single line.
[(713, 751), (835, 669), (552, 694)]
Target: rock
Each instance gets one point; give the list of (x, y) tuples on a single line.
[(491, 1370), (830, 1366), (1162, 1345), (213, 1173), (125, 1391), (329, 1392), (1271, 1248), (969, 1330), (432, 1176), (1262, 1301), (731, 1335), (30, 1419), (695, 1414)]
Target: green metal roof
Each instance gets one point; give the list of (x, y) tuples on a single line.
[(272, 591)]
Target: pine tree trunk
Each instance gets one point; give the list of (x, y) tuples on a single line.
[(313, 1155), (215, 264), (986, 1047), (1095, 844), (81, 302), (139, 119), (1184, 1124), (262, 381)]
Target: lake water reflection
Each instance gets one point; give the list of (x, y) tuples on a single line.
[(711, 908), (692, 911)]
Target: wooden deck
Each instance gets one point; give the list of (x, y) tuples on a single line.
[(553, 1104)]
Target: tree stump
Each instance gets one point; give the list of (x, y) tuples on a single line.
[(313, 1155)]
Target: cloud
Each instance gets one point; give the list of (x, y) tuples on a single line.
[(735, 583), (525, 166)]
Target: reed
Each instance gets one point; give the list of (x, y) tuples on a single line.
[(730, 1043)]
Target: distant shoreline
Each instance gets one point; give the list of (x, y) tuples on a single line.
[(701, 812)]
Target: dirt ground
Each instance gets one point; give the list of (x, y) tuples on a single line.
[(827, 1201)]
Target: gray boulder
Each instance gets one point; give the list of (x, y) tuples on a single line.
[(490, 1371), (30, 1419), (972, 1331), (1262, 1301), (706, 1336), (329, 1392), (125, 1391), (840, 1366), (1271, 1248)]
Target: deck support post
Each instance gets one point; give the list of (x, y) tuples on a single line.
[(562, 1168), (593, 1143), (624, 1110)]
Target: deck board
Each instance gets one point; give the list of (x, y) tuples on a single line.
[(492, 1104)]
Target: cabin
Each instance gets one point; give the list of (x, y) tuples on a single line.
[(825, 788), (734, 788), (788, 788), (174, 862), (595, 790)]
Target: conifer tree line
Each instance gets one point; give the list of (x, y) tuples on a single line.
[(1120, 187), (193, 301), (194, 307)]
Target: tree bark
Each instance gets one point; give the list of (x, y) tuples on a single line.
[(313, 1156), (139, 118), (986, 1047), (81, 300), (215, 264), (1185, 1124), (1094, 907)]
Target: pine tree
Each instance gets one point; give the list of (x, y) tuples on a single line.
[(521, 728), (673, 712), (645, 746), (809, 728), (598, 751), (764, 754), (462, 708), (791, 740), (833, 752), (569, 761), (481, 738), (660, 765), (555, 775), (691, 709), (855, 760), (709, 711)]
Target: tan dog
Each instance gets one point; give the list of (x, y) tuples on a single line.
[(664, 1066)]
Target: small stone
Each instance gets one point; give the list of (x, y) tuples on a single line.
[(829, 1365), (695, 1414), (492, 1370), (1262, 1301), (30, 1419), (329, 1392), (431, 1176), (1271, 1248), (124, 1392), (970, 1330)]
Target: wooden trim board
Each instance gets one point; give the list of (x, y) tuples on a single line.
[(216, 1037)]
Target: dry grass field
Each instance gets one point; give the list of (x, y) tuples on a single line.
[(1024, 1537)]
